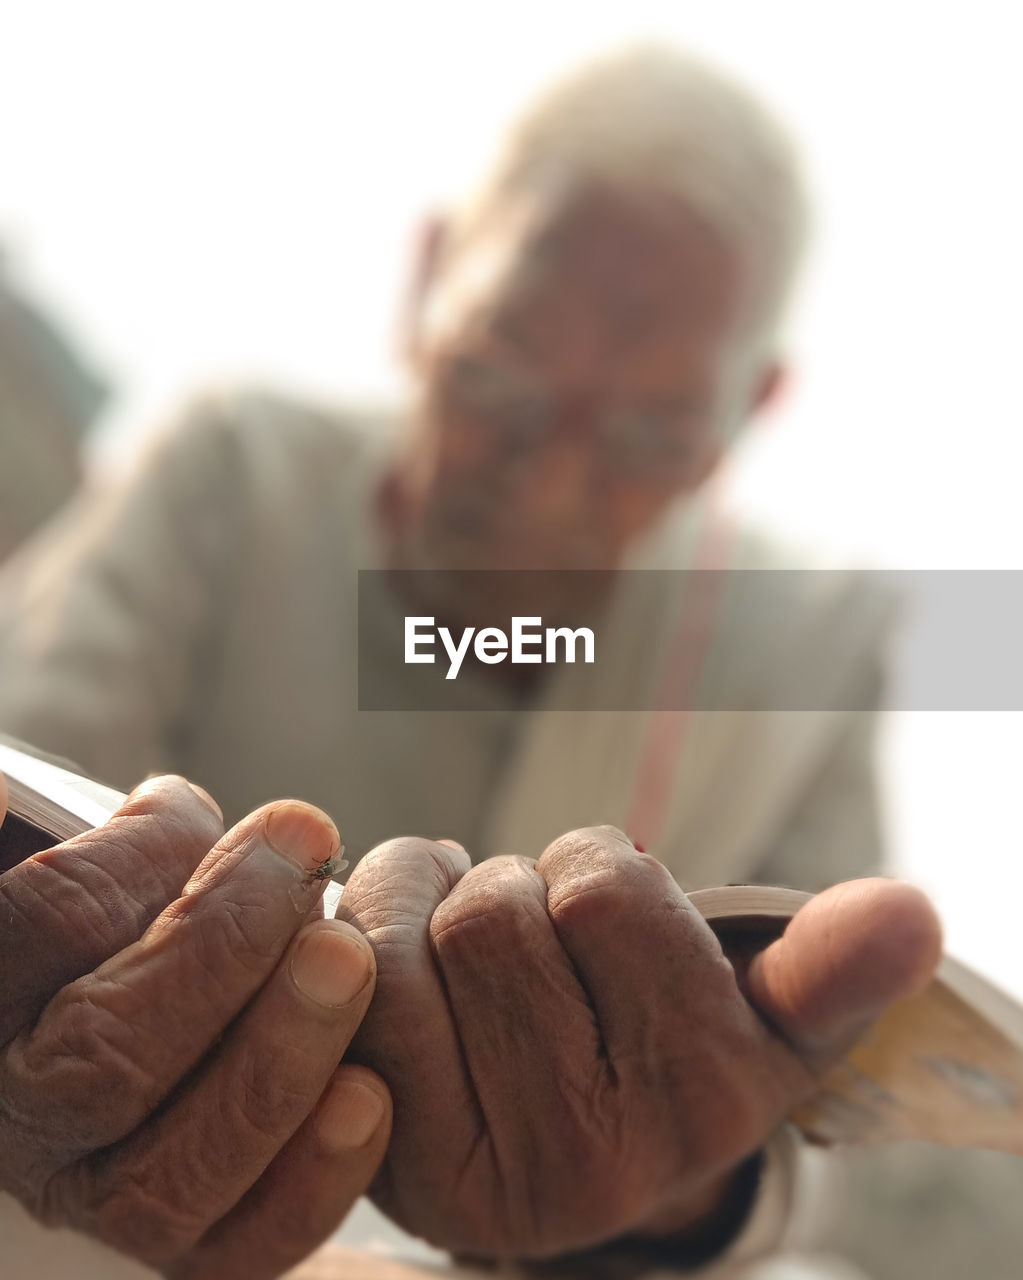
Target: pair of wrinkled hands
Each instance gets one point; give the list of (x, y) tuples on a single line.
[(521, 1059)]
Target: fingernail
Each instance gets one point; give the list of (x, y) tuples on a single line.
[(349, 1115), (453, 844), (331, 963), (301, 833)]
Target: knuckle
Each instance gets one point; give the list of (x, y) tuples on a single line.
[(596, 857), (170, 800), (394, 889), (230, 936), (568, 847), (600, 890), (162, 833), (485, 909), (412, 848), (438, 862), (87, 1059), (596, 882), (68, 897), (265, 1098), (585, 842)]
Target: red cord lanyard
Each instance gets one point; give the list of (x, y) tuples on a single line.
[(665, 739)]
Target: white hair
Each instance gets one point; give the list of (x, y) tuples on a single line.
[(656, 118)]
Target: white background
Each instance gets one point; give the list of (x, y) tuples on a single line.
[(224, 189)]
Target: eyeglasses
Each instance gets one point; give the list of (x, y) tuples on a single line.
[(523, 413)]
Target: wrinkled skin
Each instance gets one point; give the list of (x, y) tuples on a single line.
[(166, 1084), (571, 1055)]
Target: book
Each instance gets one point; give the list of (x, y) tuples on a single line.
[(945, 1066)]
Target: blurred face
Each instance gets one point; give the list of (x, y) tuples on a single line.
[(579, 367)]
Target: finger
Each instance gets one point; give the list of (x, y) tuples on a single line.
[(3, 798), (308, 1189), (671, 1015), (109, 1047), (390, 897), (654, 971), (157, 1193), (848, 954), (498, 950), (407, 1036), (69, 908), (546, 1089)]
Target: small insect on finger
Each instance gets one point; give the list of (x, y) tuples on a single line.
[(331, 866)]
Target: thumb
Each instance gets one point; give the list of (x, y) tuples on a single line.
[(844, 958), (307, 1190)]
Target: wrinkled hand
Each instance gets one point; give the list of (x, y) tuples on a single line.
[(572, 1057), (171, 1023)]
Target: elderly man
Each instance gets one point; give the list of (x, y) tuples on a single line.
[(587, 336)]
